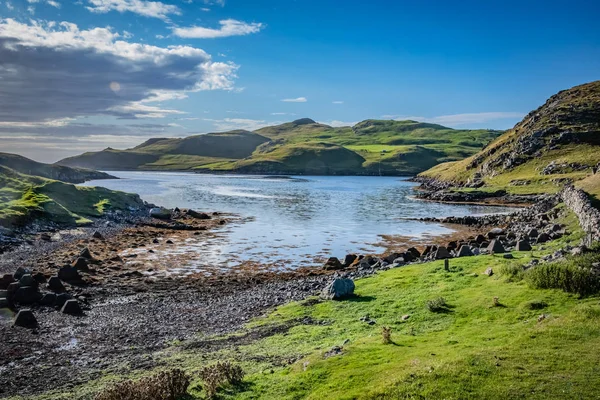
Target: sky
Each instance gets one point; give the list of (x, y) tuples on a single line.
[(84, 75)]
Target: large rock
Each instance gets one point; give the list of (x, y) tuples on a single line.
[(86, 253), (414, 252), (69, 273), (71, 307), (81, 264), (543, 238), (27, 280), (495, 247), (533, 233), (48, 299), (61, 299), (55, 284), (160, 213), (339, 288), (6, 280), (20, 272), (465, 251), (349, 259), (4, 302), (97, 235), (333, 263), (523, 245), (494, 233), (25, 319), (26, 295), (197, 215), (441, 253)]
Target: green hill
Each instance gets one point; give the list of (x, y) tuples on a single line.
[(557, 143), (371, 147), (24, 198), (57, 172)]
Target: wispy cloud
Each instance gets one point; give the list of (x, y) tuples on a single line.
[(337, 102), (152, 9), (296, 100), (336, 123), (229, 27), (460, 119), (282, 113), (228, 124)]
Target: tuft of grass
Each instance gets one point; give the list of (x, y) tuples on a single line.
[(220, 374), (166, 385), (437, 305)]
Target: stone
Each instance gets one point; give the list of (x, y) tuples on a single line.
[(45, 237), (71, 307), (81, 264), (85, 253), (523, 245), (155, 241), (333, 263), (197, 215), (494, 233), (508, 256), (48, 299), (61, 299), (495, 247), (349, 259), (160, 213), (441, 253), (27, 280), (25, 319), (39, 277), (20, 272), (489, 271), (543, 238), (480, 239), (465, 251), (428, 250), (339, 288), (26, 295), (533, 233), (405, 317), (414, 253), (97, 235), (391, 257), (4, 302), (55, 284), (12, 289), (579, 250), (6, 280), (69, 273)]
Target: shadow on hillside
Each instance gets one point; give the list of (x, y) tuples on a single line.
[(361, 299)]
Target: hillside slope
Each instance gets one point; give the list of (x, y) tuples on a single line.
[(57, 172), (555, 144), (304, 146), (24, 198)]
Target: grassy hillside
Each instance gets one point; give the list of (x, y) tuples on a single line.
[(302, 146), (24, 198), (557, 143), (490, 341), (58, 172)]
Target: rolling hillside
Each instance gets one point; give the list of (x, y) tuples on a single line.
[(555, 144), (372, 147)]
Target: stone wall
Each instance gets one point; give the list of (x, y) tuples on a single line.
[(589, 217)]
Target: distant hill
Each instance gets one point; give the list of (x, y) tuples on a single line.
[(303, 146), (24, 198), (57, 172), (555, 144)]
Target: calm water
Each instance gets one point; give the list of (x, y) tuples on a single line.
[(292, 222)]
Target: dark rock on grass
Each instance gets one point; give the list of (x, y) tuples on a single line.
[(69, 273), (465, 251), (55, 284), (81, 264), (338, 289), (48, 299), (71, 307), (333, 263), (349, 259), (61, 299), (26, 295), (495, 247), (489, 271), (6, 280), (25, 319), (508, 256), (543, 238), (523, 245), (441, 253)]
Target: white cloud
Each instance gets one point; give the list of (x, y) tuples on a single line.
[(282, 113), (229, 27), (296, 100), (50, 71), (229, 124), (337, 102), (152, 9), (337, 123), (461, 119), (9, 5), (53, 3)]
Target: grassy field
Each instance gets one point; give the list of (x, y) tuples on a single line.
[(488, 342)]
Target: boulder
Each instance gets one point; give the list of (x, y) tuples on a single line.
[(25, 319), (46, 237), (6, 280), (20, 272), (55, 284), (61, 299), (81, 264), (69, 273), (533, 233), (414, 253), (48, 299), (39, 277), (480, 239), (97, 235), (489, 271), (391, 257), (197, 215), (523, 245), (85, 253), (508, 256), (428, 250), (160, 213), (441, 253), (349, 259), (543, 238), (71, 307), (26, 295), (12, 289), (333, 263), (4, 302), (465, 251), (452, 245), (339, 288), (495, 247), (27, 280), (494, 233)]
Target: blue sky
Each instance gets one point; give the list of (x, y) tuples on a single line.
[(78, 76)]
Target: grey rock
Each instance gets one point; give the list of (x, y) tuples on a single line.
[(97, 235), (543, 238), (62, 298), (71, 307), (81, 264), (333, 263), (160, 213), (25, 319), (533, 233), (48, 299), (441, 253), (489, 271), (339, 288), (20, 272), (495, 247), (69, 273), (26, 295), (523, 245), (4, 302), (349, 259), (86, 253), (465, 251), (27, 280), (55, 284), (6, 280)]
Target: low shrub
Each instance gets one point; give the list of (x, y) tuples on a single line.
[(573, 275), (437, 305), (166, 385), (221, 373), (512, 272)]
